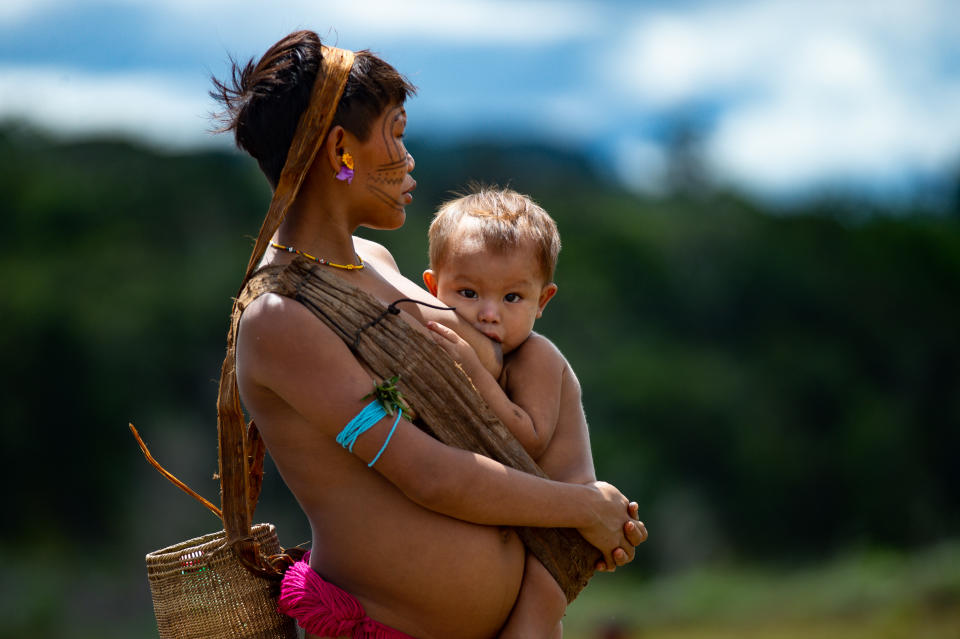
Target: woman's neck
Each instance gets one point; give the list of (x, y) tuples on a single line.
[(317, 226)]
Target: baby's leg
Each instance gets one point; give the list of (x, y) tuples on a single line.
[(540, 606)]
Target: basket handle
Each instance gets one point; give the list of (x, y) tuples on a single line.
[(170, 477)]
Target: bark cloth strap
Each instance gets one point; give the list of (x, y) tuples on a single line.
[(240, 448), (442, 397)]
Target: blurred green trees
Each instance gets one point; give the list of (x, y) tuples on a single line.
[(766, 385)]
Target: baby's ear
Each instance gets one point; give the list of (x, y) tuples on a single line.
[(430, 281), (546, 294)]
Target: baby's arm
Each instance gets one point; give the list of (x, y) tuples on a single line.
[(529, 403)]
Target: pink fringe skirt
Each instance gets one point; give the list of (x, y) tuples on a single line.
[(325, 610)]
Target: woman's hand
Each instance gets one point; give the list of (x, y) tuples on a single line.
[(613, 531), (635, 532)]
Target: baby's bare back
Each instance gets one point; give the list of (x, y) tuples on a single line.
[(567, 456)]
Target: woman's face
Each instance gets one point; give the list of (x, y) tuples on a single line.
[(382, 171)]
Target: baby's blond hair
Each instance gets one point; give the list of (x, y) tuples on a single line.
[(502, 220)]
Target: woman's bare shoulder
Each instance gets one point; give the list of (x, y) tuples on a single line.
[(276, 332), (371, 251), (271, 313)]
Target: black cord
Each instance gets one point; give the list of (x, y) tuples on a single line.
[(393, 310)]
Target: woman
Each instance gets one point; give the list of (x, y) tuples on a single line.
[(407, 525)]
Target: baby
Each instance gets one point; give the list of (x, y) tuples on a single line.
[(492, 257)]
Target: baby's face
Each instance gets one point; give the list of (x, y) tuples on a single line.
[(501, 294)]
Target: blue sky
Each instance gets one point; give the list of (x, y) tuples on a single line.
[(787, 98)]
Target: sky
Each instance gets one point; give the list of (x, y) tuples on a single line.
[(782, 99)]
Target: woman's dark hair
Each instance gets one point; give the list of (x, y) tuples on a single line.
[(263, 102)]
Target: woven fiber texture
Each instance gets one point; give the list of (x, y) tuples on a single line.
[(201, 591)]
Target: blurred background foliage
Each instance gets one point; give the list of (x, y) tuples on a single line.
[(777, 388)]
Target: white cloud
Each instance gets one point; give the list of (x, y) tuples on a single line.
[(837, 112), (672, 57), (782, 145), (15, 10), (806, 94), (144, 106), (482, 22), (675, 55), (795, 94), (473, 22)]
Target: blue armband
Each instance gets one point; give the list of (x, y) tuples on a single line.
[(364, 421)]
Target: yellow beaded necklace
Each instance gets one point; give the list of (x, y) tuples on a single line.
[(320, 260)]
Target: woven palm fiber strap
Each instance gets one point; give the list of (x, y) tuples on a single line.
[(444, 401), (240, 449)]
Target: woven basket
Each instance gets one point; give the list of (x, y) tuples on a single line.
[(200, 590)]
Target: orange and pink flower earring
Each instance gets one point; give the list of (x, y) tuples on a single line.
[(346, 168)]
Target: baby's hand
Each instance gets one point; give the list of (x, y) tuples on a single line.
[(456, 346)]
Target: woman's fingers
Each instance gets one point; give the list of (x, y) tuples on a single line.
[(609, 562), (619, 557), (602, 566), (635, 532)]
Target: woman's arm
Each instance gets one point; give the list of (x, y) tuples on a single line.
[(285, 350)]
